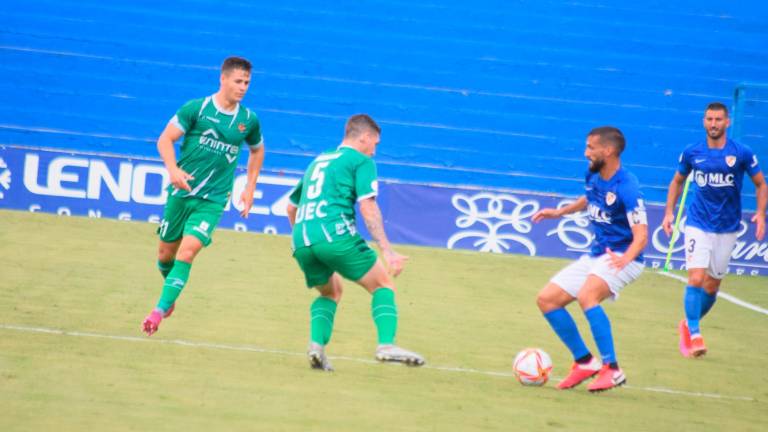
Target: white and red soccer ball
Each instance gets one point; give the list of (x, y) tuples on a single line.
[(532, 366)]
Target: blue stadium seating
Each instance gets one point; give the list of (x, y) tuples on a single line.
[(491, 93)]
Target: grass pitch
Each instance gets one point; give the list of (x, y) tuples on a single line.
[(73, 292)]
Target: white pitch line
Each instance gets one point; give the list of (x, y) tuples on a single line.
[(721, 294), (249, 348)]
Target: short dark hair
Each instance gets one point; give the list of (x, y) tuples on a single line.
[(232, 63), (717, 106), (359, 124), (609, 135)]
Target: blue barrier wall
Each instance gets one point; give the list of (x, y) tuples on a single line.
[(496, 93)]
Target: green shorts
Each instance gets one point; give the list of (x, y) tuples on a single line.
[(189, 216), (351, 257)]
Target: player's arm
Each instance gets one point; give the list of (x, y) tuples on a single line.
[(293, 202), (291, 210), (170, 135), (255, 162), (371, 213), (675, 189), (553, 213), (639, 241), (761, 190), (637, 218)]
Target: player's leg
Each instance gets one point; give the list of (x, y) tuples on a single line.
[(698, 257), (174, 283), (355, 260), (170, 232), (166, 255), (721, 247), (323, 312), (379, 283), (552, 300), (323, 309), (605, 282), (711, 288), (200, 218)]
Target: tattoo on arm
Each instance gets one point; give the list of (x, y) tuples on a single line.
[(375, 224)]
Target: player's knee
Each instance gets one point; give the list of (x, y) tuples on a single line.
[(588, 300), (545, 302), (186, 255), (696, 280), (711, 285), (166, 252)]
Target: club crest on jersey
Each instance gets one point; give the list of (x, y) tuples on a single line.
[(730, 161), (241, 127), (610, 198)]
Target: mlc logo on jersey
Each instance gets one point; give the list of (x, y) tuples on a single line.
[(5, 177), (714, 179)]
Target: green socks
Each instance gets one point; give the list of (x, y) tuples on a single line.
[(384, 314), (383, 310), (173, 285), (322, 312), (165, 267)]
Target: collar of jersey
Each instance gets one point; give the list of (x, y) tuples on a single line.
[(342, 146), (221, 110)]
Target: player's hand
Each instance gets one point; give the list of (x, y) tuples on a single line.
[(395, 261), (760, 228), (666, 224), (547, 213), (246, 200), (618, 262), (180, 178)]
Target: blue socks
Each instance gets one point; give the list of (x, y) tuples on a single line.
[(693, 304), (565, 328), (601, 331), (707, 301), (697, 303)]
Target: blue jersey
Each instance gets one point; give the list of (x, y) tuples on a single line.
[(715, 204), (614, 206)]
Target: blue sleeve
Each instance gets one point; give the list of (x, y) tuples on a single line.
[(630, 195), (632, 199), (684, 163), (749, 159)]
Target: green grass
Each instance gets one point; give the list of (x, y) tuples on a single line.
[(459, 309)]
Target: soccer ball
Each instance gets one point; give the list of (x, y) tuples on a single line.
[(532, 367)]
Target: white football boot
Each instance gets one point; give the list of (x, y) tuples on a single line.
[(317, 358), (393, 353)]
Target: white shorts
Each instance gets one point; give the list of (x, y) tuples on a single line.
[(711, 251), (572, 277)]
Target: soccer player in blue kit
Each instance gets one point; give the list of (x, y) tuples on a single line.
[(713, 219), (617, 214)]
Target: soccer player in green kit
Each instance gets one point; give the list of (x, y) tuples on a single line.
[(214, 128), (326, 243)]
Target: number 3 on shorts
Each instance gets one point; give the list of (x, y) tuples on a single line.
[(691, 245)]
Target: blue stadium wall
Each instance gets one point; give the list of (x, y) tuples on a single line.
[(486, 94)]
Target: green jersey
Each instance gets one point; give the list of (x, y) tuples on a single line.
[(327, 194), (212, 140)]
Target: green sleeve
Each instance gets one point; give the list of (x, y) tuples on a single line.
[(186, 116), (295, 196), (366, 185), (254, 137)]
